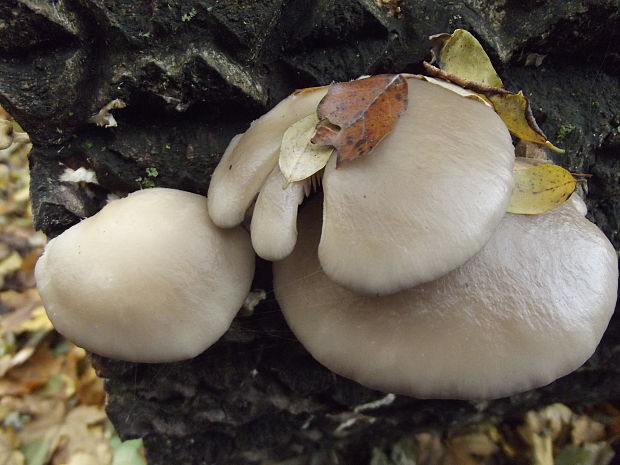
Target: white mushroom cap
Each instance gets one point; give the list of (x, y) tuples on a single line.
[(424, 201), (147, 279), (529, 308), (251, 156)]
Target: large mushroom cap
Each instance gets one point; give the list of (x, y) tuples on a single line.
[(529, 308), (424, 201), (147, 279)]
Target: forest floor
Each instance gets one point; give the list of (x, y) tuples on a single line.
[(52, 403)]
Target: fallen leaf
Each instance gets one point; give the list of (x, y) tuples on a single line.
[(9, 361), (299, 157), (36, 451), (32, 369), (364, 111), (10, 264), (462, 61), (405, 452), (586, 430), (458, 90), (129, 453), (540, 188), (589, 454), (8, 454), (104, 117), (89, 388), (515, 111), (379, 458), (462, 55), (85, 458), (432, 450), (534, 59), (38, 321)]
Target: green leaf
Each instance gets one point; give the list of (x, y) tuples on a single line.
[(36, 451), (129, 453)]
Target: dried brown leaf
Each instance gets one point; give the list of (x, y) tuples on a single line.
[(364, 111)]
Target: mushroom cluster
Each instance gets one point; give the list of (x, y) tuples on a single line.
[(422, 203), (408, 276)]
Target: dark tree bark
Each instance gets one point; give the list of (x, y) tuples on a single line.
[(193, 74)]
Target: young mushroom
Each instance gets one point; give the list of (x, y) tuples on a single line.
[(423, 202), (530, 307), (149, 278)]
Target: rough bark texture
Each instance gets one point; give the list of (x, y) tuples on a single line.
[(193, 74)]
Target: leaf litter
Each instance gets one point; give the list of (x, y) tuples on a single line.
[(551, 435), (51, 401)]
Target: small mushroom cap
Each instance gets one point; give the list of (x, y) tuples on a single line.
[(424, 201), (147, 279), (251, 156), (274, 219), (529, 308)]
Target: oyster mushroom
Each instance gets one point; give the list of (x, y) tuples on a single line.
[(422, 203), (530, 307), (149, 278)]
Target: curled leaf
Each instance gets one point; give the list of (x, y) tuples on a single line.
[(103, 117), (462, 55), (364, 111), (300, 158), (514, 109), (458, 90), (540, 188)]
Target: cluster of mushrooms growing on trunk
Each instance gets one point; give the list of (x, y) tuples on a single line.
[(404, 273)]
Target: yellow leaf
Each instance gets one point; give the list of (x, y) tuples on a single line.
[(38, 321), (463, 61), (462, 55), (10, 264), (458, 90), (515, 111), (299, 158), (540, 188)]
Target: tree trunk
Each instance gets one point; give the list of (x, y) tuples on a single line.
[(193, 74)]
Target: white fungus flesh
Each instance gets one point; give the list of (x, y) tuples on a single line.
[(251, 156), (424, 201), (149, 278), (529, 308), (274, 219)]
